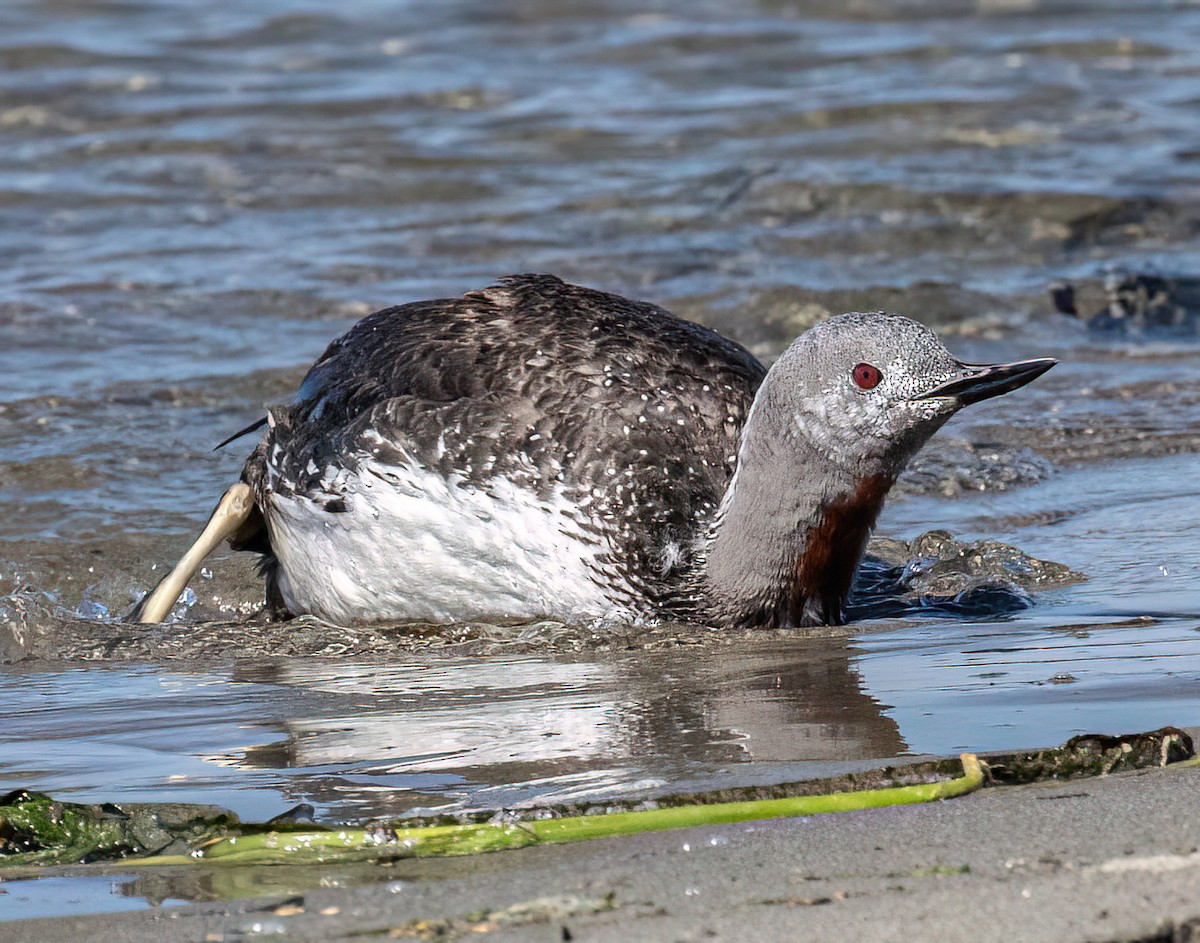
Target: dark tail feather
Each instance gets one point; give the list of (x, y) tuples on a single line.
[(258, 424)]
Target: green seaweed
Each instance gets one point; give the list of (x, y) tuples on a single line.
[(1092, 755), (453, 840), (36, 830)]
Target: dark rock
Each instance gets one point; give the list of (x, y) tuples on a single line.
[(1138, 304)]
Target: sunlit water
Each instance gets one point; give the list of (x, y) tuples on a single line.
[(196, 200)]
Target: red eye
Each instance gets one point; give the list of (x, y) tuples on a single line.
[(866, 377)]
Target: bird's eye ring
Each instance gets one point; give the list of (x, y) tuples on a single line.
[(866, 376)]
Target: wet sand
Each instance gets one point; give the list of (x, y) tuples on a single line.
[(1107, 859)]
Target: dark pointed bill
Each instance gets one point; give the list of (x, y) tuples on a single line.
[(987, 380)]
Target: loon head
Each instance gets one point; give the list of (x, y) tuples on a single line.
[(834, 423)]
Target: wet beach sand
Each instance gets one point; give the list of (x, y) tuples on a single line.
[(196, 201)]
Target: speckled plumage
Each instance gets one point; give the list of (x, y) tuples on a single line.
[(616, 407)]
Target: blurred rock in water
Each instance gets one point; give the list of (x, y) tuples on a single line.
[(1136, 304)]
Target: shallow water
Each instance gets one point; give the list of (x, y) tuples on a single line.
[(196, 201)]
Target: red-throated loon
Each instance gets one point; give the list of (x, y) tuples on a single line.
[(538, 449)]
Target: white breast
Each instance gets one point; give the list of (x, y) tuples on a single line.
[(412, 545)]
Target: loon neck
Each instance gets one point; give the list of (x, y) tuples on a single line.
[(789, 535)]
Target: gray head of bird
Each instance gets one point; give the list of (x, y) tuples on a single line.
[(866, 391)]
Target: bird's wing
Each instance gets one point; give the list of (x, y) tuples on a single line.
[(544, 384)]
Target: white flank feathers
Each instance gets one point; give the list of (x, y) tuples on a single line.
[(413, 545)]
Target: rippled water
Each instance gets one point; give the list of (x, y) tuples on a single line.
[(196, 199)]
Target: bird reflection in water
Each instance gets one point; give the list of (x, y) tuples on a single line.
[(503, 731)]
